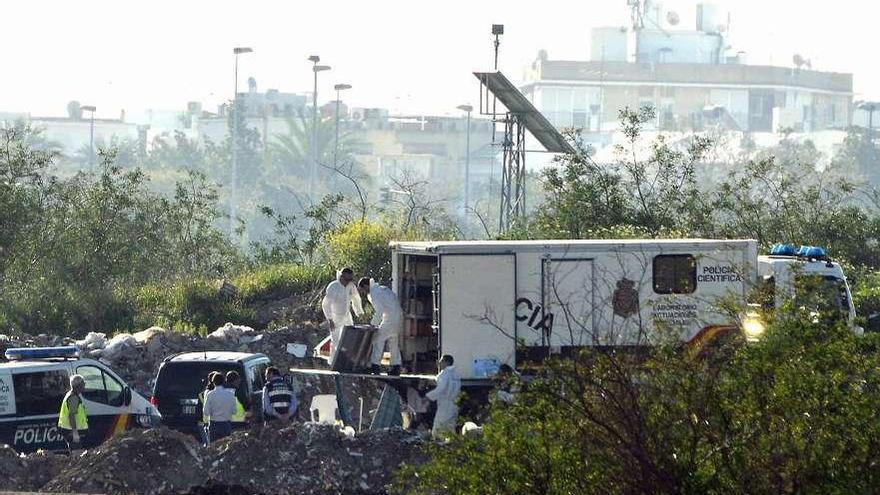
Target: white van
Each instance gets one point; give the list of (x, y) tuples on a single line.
[(488, 303), (33, 384)]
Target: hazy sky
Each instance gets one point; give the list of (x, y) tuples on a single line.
[(401, 54)]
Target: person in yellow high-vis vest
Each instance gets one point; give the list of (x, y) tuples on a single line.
[(239, 419), (72, 418)]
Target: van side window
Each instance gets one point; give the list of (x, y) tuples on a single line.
[(39, 393), (256, 376), (101, 387), (675, 274)]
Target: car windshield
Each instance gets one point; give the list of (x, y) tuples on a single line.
[(188, 378), (822, 294)]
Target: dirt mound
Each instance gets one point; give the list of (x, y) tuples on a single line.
[(212, 488), (31, 472), (141, 461), (312, 459), (300, 458)]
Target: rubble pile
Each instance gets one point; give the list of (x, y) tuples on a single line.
[(313, 459), (18, 472), (141, 461), (301, 458), (136, 357)]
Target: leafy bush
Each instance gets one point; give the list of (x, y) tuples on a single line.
[(278, 281), (794, 413), (196, 303), (364, 247)]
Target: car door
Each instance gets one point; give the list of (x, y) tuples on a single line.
[(32, 420), (104, 398)]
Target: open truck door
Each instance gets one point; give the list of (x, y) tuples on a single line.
[(477, 311)]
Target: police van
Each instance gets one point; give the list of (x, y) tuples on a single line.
[(33, 384), (489, 303)]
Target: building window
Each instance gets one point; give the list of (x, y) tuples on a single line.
[(39, 393), (675, 274)]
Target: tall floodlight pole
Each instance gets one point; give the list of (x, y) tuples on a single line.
[(467, 156), (91, 109), (233, 201), (497, 31), (313, 170), (338, 88)]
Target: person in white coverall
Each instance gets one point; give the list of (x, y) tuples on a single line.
[(340, 298), (388, 317), (446, 395)]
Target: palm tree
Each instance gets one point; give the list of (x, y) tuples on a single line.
[(292, 152)]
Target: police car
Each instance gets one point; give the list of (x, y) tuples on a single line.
[(33, 384)]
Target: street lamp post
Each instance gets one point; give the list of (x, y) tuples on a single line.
[(338, 88), (233, 201), (313, 170), (91, 109), (467, 157)]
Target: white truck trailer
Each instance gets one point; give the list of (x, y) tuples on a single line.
[(488, 303)]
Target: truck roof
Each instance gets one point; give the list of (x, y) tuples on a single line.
[(480, 247), (213, 356)]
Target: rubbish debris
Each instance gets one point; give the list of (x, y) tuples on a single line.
[(141, 461), (230, 332), (25, 473), (145, 336), (93, 340), (298, 350), (299, 458), (315, 459)]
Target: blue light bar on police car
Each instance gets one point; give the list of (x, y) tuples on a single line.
[(19, 353), (783, 250), (813, 252)]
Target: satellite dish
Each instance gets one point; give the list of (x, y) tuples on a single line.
[(672, 18)]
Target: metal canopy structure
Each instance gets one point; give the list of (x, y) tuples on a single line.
[(520, 115)]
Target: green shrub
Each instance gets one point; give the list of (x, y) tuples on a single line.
[(196, 305), (364, 247), (189, 304), (279, 281)]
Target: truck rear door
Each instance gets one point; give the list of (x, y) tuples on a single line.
[(477, 310)]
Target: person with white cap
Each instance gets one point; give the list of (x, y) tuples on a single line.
[(72, 418), (446, 395), (388, 317), (340, 298)]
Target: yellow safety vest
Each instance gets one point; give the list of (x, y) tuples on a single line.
[(82, 420), (238, 417)]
